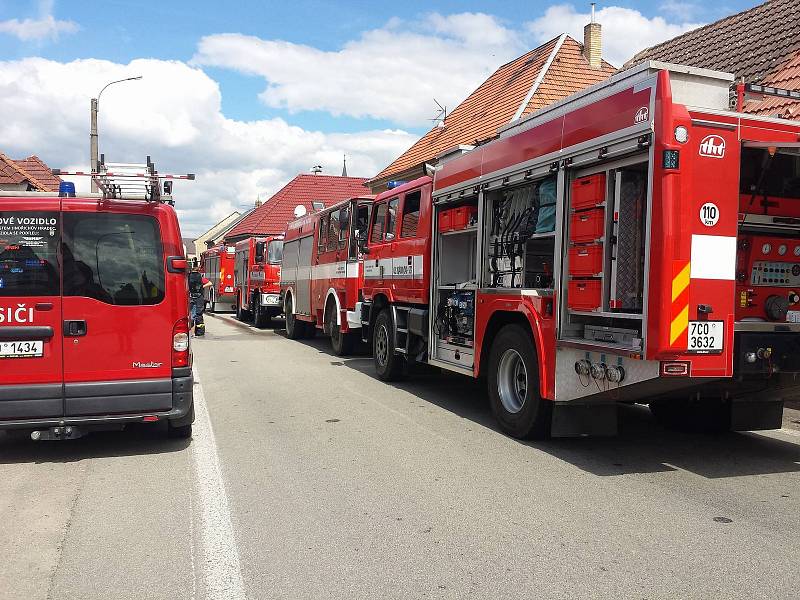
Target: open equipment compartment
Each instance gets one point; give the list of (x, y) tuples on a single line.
[(605, 254), (455, 269)]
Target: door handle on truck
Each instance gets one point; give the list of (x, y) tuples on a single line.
[(74, 328)]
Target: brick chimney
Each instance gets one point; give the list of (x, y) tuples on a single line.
[(592, 43)]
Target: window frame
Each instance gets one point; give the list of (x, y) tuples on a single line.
[(403, 214)]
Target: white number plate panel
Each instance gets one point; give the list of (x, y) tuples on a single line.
[(706, 337), (21, 349)]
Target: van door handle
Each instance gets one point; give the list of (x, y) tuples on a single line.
[(74, 328)]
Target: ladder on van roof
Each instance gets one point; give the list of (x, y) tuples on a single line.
[(131, 181)]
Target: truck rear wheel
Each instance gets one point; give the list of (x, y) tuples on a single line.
[(514, 386), (342, 343), (261, 317), (388, 364), (295, 329)]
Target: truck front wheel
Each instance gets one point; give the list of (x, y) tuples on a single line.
[(341, 343), (388, 364), (295, 329), (514, 386)]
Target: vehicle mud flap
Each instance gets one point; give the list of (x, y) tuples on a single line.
[(753, 415), (571, 419)]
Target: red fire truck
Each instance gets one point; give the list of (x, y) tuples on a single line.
[(635, 242), (217, 265), (322, 274), (257, 275)]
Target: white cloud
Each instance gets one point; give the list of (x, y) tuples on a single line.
[(625, 31), (681, 10), (45, 27), (173, 114), (389, 73)]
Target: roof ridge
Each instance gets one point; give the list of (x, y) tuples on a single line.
[(540, 77), (15, 165)]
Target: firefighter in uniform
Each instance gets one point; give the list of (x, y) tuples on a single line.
[(197, 301)]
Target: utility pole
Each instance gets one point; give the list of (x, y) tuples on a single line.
[(93, 109)]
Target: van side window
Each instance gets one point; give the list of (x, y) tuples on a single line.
[(410, 221), (378, 223), (113, 258), (391, 218), (29, 253)]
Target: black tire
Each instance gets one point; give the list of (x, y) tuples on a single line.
[(388, 364), (261, 317), (341, 343), (210, 304), (295, 329), (513, 384)]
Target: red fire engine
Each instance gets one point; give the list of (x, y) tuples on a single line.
[(635, 242), (322, 273), (257, 275), (217, 265)]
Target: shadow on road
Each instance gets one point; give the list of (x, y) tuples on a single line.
[(641, 446), (134, 440)]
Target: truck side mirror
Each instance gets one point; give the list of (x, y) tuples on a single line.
[(260, 251)]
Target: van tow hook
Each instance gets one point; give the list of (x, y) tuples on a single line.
[(66, 432)]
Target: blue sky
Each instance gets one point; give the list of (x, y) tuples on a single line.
[(249, 93)]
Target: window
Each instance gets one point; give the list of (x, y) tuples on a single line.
[(333, 231), (29, 253), (391, 218), (378, 223), (344, 225), (113, 258), (360, 226), (776, 176), (317, 205), (408, 226), (275, 252), (323, 232)]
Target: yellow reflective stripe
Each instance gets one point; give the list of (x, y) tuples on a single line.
[(680, 282), (679, 325)]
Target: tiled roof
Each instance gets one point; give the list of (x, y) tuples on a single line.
[(272, 217), (749, 44), (496, 101), (786, 76), (31, 169)]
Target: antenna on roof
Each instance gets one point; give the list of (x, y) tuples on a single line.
[(344, 165), (440, 118), (316, 169), (593, 5)]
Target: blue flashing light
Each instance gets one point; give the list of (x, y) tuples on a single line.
[(393, 184), (66, 189)]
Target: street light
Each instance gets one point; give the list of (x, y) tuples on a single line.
[(93, 151)]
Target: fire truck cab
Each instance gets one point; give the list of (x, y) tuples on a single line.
[(257, 275), (635, 242), (217, 265), (94, 331), (322, 273)]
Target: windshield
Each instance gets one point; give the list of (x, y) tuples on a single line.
[(775, 175), (275, 252)]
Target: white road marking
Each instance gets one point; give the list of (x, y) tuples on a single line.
[(223, 576)]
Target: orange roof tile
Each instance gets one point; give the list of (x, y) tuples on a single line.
[(497, 100), (272, 217), (786, 76), (31, 169)]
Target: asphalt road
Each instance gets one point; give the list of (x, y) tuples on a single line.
[(309, 478)]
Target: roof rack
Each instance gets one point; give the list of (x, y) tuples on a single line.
[(131, 181)]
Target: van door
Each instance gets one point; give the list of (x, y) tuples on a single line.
[(31, 374), (117, 322)]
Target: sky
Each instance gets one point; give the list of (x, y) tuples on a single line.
[(247, 94)]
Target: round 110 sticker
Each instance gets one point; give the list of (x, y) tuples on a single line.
[(709, 214)]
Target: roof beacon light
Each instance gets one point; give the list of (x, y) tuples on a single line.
[(66, 189), (393, 184)]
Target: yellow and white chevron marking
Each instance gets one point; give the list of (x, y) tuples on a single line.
[(681, 275)]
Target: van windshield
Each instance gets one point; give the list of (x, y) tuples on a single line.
[(275, 252), (29, 253)]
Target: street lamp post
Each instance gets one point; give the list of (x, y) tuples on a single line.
[(93, 107)]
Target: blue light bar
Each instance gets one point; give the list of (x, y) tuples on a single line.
[(393, 184)]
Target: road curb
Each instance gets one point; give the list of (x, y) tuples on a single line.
[(232, 321)]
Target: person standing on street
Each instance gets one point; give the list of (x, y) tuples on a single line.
[(197, 301)]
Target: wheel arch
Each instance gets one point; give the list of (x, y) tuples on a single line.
[(338, 304), (497, 321)]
